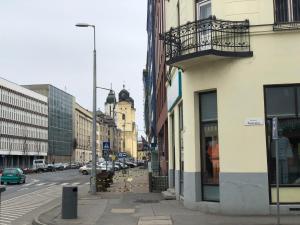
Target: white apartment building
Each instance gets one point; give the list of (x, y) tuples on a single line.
[(23, 125)]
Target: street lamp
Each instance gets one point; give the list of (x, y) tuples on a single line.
[(93, 172)]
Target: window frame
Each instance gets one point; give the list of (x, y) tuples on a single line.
[(201, 3), (202, 150), (290, 13), (265, 87)]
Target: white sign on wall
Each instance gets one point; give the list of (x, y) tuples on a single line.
[(254, 122), (174, 91)]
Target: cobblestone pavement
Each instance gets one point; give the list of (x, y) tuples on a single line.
[(135, 180)]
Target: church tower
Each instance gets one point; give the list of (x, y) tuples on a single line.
[(110, 104)]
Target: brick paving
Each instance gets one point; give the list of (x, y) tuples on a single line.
[(136, 181)]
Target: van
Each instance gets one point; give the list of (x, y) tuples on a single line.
[(39, 165)]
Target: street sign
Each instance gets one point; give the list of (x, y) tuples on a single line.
[(106, 145), (122, 155)]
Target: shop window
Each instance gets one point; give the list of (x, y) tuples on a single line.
[(288, 131), (209, 147)]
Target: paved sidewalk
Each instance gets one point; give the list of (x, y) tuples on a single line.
[(135, 206)]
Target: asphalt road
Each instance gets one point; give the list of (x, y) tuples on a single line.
[(21, 203)]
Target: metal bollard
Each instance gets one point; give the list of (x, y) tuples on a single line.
[(69, 202)]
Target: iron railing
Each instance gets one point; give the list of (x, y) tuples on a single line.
[(208, 36)]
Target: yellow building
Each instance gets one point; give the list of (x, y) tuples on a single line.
[(125, 120), (229, 75)]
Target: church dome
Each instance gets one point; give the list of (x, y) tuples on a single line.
[(111, 98), (132, 102), (124, 95)]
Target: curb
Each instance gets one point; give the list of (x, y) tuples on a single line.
[(36, 220)]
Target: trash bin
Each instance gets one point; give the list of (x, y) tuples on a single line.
[(69, 202)]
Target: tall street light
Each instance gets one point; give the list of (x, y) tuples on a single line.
[(93, 173)]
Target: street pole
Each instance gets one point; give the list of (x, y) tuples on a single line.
[(275, 139), (93, 172)]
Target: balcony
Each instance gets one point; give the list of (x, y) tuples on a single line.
[(206, 40)]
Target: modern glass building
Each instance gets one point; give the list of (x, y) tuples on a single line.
[(61, 107)]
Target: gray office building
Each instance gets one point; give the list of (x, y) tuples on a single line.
[(61, 121)]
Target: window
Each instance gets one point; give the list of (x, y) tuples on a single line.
[(283, 102), (203, 9), (209, 146), (287, 11)]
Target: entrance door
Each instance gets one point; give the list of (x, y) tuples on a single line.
[(204, 30)]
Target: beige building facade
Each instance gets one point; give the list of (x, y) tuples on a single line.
[(83, 135), (238, 69)]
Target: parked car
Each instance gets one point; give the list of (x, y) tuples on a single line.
[(13, 175), (85, 170), (39, 165), (66, 166), (75, 166), (131, 164), (28, 170), (58, 166), (50, 167)]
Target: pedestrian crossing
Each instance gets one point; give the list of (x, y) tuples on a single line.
[(36, 185), (17, 207), (14, 208), (48, 184)]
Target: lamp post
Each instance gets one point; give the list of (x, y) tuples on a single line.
[(93, 172)]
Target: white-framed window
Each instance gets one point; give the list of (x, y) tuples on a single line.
[(203, 8)]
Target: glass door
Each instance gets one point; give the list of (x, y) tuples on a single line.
[(203, 25)]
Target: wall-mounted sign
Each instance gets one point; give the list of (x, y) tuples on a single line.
[(254, 122), (174, 91)]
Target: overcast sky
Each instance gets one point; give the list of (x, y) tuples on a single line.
[(40, 44)]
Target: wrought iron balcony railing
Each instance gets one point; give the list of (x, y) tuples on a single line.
[(207, 37)]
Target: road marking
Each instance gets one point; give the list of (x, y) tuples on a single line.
[(51, 184), (11, 216), (26, 185), (63, 184), (19, 206), (74, 184), (40, 184), (87, 183), (23, 189)]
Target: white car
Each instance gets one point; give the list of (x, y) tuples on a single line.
[(85, 170)]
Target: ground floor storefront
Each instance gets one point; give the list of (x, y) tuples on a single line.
[(221, 152), (19, 161)]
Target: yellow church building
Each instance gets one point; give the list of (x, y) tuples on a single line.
[(124, 114)]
